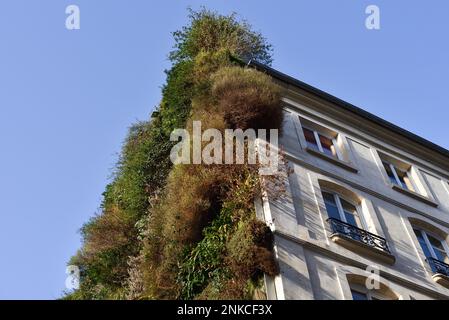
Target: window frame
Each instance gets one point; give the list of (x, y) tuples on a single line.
[(341, 212), (425, 234), (317, 134)]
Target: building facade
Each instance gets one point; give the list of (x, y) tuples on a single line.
[(365, 214)]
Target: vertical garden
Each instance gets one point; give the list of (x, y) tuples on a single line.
[(187, 231)]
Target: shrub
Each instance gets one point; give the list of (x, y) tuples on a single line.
[(176, 96), (211, 32), (107, 231), (250, 250), (235, 249), (248, 98)]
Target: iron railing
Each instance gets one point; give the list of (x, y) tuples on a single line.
[(345, 229), (438, 266)]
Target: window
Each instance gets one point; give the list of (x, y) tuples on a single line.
[(433, 247), (320, 142), (347, 226), (357, 285), (358, 295), (433, 243), (398, 177), (340, 209), (325, 144), (406, 179), (364, 294)]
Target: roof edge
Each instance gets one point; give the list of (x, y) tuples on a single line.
[(345, 105)]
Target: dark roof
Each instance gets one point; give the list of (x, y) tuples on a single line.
[(349, 107)]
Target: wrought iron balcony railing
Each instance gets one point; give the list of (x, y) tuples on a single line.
[(439, 266), (345, 229)]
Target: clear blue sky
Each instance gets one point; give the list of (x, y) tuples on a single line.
[(68, 97)]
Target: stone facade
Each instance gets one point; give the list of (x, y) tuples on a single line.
[(320, 262)]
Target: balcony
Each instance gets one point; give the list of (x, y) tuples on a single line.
[(440, 270), (360, 241)]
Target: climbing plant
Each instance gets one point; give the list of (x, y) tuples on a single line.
[(187, 231)]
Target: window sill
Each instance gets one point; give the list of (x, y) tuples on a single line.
[(333, 160), (441, 279), (414, 195), (363, 249)]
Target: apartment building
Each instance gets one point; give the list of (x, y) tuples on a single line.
[(366, 212)]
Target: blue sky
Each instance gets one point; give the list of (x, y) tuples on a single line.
[(68, 97)]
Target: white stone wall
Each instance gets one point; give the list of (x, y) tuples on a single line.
[(312, 265)]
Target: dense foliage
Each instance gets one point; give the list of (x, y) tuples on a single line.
[(187, 231), (211, 32)]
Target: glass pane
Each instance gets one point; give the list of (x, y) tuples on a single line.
[(350, 213), (352, 220), (310, 138), (328, 146), (329, 197), (405, 180), (436, 243), (331, 206), (358, 295), (422, 243), (441, 255), (332, 211), (389, 172), (348, 207), (438, 248)]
